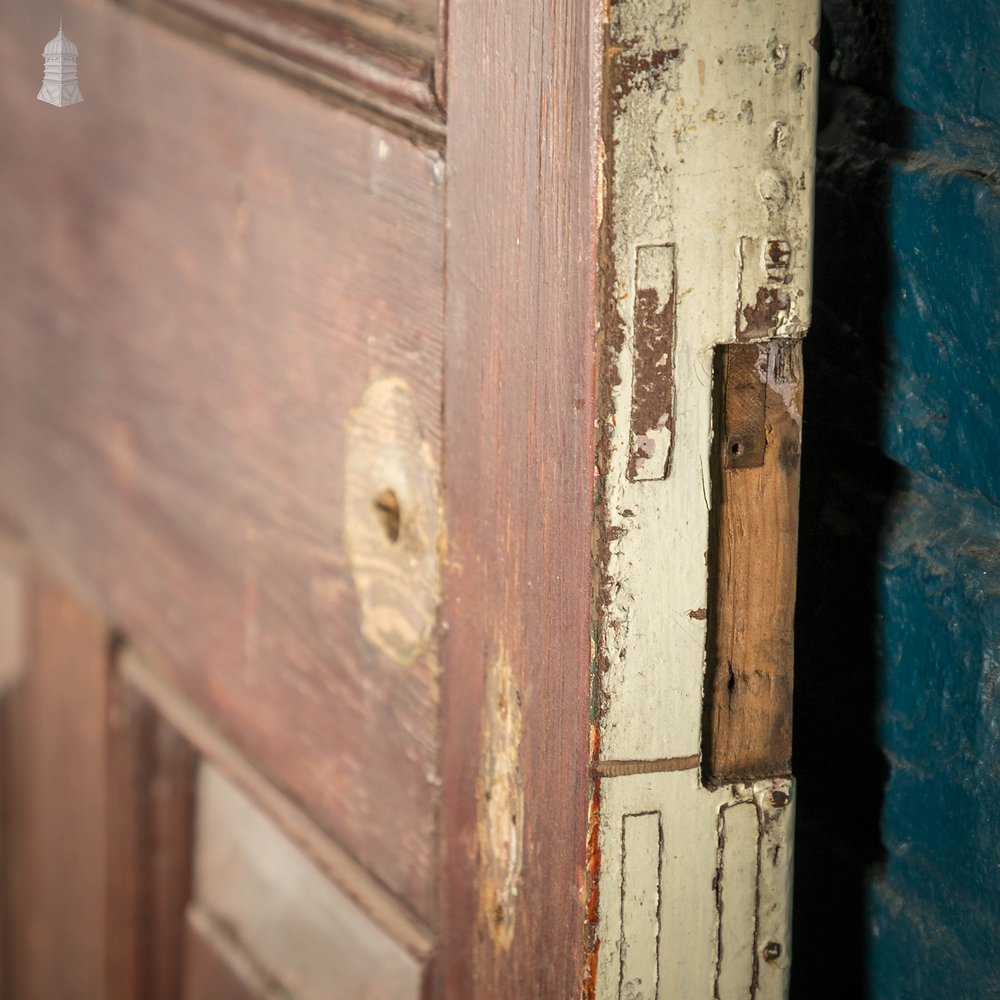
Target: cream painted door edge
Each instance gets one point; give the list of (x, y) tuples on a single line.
[(709, 125)]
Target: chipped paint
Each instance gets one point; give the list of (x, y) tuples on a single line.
[(652, 421), (500, 803), (709, 120)]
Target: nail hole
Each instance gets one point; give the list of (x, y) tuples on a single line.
[(387, 508), (772, 951), (736, 447)]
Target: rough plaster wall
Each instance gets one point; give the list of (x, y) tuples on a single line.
[(898, 632)]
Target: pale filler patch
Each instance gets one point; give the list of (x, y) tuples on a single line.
[(392, 520), (500, 805)]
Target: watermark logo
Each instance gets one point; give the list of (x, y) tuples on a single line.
[(60, 86)]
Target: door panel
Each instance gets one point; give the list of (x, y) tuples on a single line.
[(137, 868), (220, 883), (198, 290), (385, 57), (254, 888)]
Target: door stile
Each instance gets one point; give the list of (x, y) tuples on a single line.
[(523, 199), (709, 122)]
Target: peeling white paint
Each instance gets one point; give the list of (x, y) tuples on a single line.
[(711, 155)]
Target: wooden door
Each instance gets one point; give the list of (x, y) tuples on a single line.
[(317, 337)]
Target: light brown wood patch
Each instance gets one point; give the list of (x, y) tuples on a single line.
[(500, 803), (748, 704), (392, 520)]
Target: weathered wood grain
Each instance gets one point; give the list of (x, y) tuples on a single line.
[(196, 291), (752, 561), (522, 208), (55, 748)]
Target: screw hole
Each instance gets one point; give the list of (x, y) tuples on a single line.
[(387, 509), (736, 447)]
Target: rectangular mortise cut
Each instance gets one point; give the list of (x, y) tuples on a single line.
[(736, 900), (752, 557), (652, 421), (642, 850)]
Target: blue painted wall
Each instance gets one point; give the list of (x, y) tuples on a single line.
[(898, 659)]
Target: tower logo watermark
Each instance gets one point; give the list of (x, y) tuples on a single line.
[(60, 86)]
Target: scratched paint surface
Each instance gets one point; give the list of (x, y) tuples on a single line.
[(903, 515)]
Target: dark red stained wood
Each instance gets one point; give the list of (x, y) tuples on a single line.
[(519, 418), (151, 774), (374, 59), (200, 266), (56, 750), (358, 885), (420, 13)]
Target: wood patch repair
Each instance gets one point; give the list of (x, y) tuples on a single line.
[(752, 561), (392, 521), (500, 803), (620, 768)]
